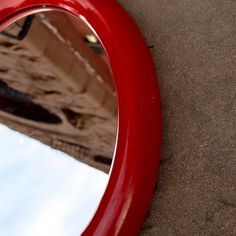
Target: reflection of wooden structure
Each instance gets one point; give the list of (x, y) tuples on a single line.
[(54, 68)]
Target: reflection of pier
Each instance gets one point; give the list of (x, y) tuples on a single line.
[(69, 92), (18, 104), (83, 154)]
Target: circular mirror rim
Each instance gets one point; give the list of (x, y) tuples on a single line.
[(133, 175)]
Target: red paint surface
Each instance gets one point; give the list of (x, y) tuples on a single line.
[(127, 198)]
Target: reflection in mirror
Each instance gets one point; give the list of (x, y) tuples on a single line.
[(58, 118)]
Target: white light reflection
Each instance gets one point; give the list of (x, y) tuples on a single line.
[(44, 192)]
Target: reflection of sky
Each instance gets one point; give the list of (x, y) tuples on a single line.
[(44, 192)]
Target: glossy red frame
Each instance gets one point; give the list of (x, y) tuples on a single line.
[(127, 197)]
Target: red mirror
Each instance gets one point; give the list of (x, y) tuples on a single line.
[(77, 77)]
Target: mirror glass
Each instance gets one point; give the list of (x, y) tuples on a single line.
[(58, 125)]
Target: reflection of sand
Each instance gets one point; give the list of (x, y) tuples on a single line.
[(73, 83)]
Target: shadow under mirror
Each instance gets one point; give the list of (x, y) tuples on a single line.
[(58, 115)]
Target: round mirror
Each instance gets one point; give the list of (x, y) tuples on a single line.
[(59, 120), (58, 115)]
